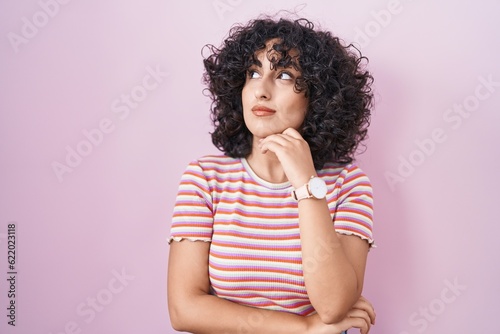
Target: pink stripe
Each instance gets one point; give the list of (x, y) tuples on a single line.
[(253, 192), (267, 236), (245, 224), (253, 214), (260, 279), (260, 268), (243, 202), (244, 245), (248, 257)]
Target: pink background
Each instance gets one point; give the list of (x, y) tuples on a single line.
[(66, 73)]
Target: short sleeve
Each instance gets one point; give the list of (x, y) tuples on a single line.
[(354, 211), (192, 218)]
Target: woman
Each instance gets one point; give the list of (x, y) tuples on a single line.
[(273, 236)]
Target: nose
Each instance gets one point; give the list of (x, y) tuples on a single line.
[(263, 89)]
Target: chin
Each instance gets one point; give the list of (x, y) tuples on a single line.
[(265, 133)]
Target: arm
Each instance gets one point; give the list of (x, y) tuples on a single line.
[(334, 278), (334, 264), (193, 309)]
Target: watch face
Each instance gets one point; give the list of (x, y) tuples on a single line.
[(317, 187)]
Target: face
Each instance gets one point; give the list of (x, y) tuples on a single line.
[(270, 104)]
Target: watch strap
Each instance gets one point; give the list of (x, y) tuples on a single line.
[(301, 192)]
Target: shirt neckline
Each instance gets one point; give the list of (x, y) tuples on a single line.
[(259, 180)]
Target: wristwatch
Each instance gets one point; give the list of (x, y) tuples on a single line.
[(315, 188)]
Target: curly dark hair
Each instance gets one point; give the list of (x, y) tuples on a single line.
[(332, 76)]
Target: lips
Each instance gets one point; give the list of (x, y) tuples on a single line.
[(262, 111)]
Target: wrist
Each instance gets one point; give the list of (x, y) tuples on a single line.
[(314, 188), (313, 324)]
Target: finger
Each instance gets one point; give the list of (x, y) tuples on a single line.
[(270, 146), (365, 305), (366, 301), (357, 313), (274, 143), (373, 316), (278, 138), (359, 323), (292, 133), (362, 300)]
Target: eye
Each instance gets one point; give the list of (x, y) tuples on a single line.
[(285, 75), (252, 74)]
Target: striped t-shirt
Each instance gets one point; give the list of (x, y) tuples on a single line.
[(253, 227)]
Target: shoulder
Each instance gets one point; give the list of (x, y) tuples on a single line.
[(351, 171), (220, 159), (214, 165), (345, 175)]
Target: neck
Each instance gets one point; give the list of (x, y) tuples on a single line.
[(266, 166)]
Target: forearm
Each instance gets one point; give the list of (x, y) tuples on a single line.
[(330, 279), (208, 314)]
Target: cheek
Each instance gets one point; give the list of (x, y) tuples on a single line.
[(300, 104), (302, 110)]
